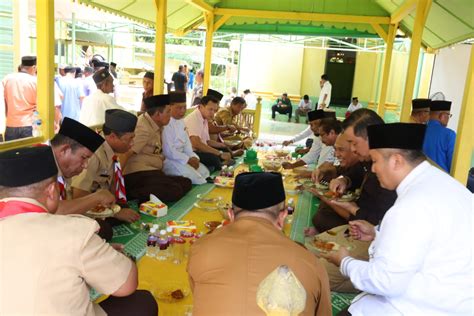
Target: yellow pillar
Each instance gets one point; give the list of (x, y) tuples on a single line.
[(45, 64), (392, 30), (420, 18), (465, 135), (160, 29), (209, 17), (256, 119)]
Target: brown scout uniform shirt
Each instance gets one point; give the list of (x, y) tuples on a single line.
[(147, 147), (224, 116), (226, 267), (49, 261), (99, 173)]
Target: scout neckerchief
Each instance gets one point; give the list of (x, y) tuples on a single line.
[(62, 188), (9, 207), (119, 183)]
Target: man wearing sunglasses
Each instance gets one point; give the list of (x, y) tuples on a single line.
[(440, 140)]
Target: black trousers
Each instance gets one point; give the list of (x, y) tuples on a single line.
[(282, 110), (12, 133), (140, 184), (212, 162), (139, 303), (344, 312), (106, 232)]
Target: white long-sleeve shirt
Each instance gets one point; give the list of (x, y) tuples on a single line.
[(304, 134), (318, 153), (176, 143), (325, 90), (421, 261), (94, 107)]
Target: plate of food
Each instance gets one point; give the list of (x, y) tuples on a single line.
[(307, 183), (322, 186), (232, 142), (272, 165), (212, 225), (101, 211), (348, 197), (207, 203), (302, 170), (225, 182), (282, 152), (171, 292), (320, 245)]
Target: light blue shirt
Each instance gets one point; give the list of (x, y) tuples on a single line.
[(73, 91), (439, 144)]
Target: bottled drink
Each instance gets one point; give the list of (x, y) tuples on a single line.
[(163, 244), (151, 243), (223, 172), (291, 206), (287, 225), (36, 124)]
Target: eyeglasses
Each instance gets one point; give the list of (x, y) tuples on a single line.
[(449, 114)]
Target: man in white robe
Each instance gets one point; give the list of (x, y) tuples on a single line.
[(94, 106), (180, 158), (421, 255)]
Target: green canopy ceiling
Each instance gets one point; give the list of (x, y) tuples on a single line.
[(448, 22)]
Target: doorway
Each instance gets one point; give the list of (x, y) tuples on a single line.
[(340, 68)]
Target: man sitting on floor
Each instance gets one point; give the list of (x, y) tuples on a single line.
[(104, 171), (180, 158), (50, 262), (420, 111), (327, 217), (303, 108), (227, 266), (210, 152), (144, 163), (319, 152), (415, 267), (283, 106)]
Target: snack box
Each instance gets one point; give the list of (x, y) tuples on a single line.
[(154, 209), (179, 226)]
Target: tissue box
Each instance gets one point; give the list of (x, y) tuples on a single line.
[(179, 226), (154, 209)]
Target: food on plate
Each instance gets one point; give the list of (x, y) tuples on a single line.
[(321, 186), (331, 195), (325, 246), (98, 209), (177, 295), (272, 165), (282, 152), (211, 225)]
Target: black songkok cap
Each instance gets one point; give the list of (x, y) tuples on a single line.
[(396, 135), (160, 100), (26, 165), (330, 114), (258, 190), (440, 105), (81, 134), (69, 69), (177, 97), (149, 75), (418, 104), (120, 121), (214, 94), (316, 115), (101, 75), (113, 64), (28, 61)]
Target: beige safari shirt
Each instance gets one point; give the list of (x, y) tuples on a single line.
[(147, 147), (99, 173), (226, 267), (49, 262), (224, 116)]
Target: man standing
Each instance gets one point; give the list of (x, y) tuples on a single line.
[(180, 160), (414, 269), (88, 83), (210, 152), (420, 111), (94, 106), (61, 257), (73, 94), (19, 92), (325, 95), (440, 140), (282, 106), (144, 163), (303, 108), (227, 266), (103, 171), (179, 79), (197, 90)]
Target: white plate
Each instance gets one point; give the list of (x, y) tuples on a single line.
[(108, 212)]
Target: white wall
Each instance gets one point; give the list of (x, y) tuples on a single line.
[(270, 67), (449, 77)]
